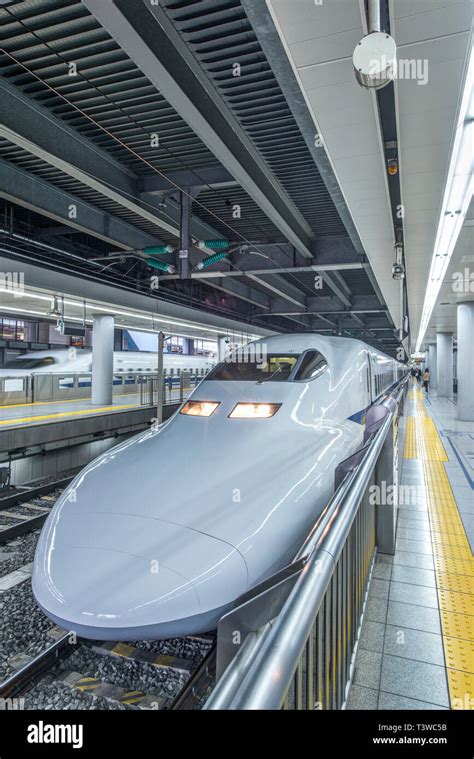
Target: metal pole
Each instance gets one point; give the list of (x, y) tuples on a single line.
[(402, 309), (185, 213), (159, 380), (374, 16)]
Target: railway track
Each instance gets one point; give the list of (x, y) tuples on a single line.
[(28, 508), (40, 665), (76, 674)]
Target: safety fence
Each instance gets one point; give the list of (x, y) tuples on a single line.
[(46, 387), (298, 631)]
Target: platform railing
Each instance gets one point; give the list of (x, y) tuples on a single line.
[(15, 390), (55, 386), (304, 657), (175, 389)]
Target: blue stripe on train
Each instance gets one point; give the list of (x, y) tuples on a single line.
[(175, 381), (358, 417)]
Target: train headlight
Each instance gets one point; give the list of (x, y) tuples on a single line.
[(199, 408), (254, 410)]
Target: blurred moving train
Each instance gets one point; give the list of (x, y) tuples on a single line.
[(78, 360), (160, 535)]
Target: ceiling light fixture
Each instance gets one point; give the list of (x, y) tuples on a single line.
[(457, 196)]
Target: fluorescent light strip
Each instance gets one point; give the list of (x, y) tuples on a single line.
[(49, 298), (23, 311), (164, 320), (457, 196), (115, 312)]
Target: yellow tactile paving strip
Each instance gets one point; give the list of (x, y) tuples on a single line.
[(51, 403), (62, 414), (454, 563), (434, 447), (410, 450)]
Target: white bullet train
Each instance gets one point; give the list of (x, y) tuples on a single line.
[(80, 360), (160, 535)]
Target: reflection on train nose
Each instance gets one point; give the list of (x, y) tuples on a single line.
[(106, 575), (105, 592)]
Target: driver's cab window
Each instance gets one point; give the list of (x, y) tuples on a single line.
[(313, 364)]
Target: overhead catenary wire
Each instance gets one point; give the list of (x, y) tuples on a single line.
[(244, 239), (137, 155)]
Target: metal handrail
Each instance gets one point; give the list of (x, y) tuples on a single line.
[(261, 674)]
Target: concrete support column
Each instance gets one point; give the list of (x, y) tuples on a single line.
[(432, 366), (102, 359), (465, 366), (444, 350), (222, 348)]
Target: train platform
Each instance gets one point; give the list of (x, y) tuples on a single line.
[(416, 649), (44, 412), (25, 414)]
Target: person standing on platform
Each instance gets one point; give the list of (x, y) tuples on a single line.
[(426, 380)]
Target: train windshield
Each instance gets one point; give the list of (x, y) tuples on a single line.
[(242, 367), (29, 363)]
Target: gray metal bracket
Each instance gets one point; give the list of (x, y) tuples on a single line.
[(255, 608)]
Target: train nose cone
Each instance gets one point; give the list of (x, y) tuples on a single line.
[(122, 577)]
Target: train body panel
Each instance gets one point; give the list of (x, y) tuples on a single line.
[(80, 360), (218, 503)]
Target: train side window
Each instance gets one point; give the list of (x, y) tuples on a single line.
[(313, 364)]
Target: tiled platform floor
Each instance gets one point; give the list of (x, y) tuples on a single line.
[(25, 414), (417, 641)]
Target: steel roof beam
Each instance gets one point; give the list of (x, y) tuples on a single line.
[(339, 291), (33, 128), (147, 36), (281, 270), (200, 230), (56, 231), (324, 319), (260, 17), (244, 292), (215, 176), (30, 191), (357, 319), (280, 287)]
